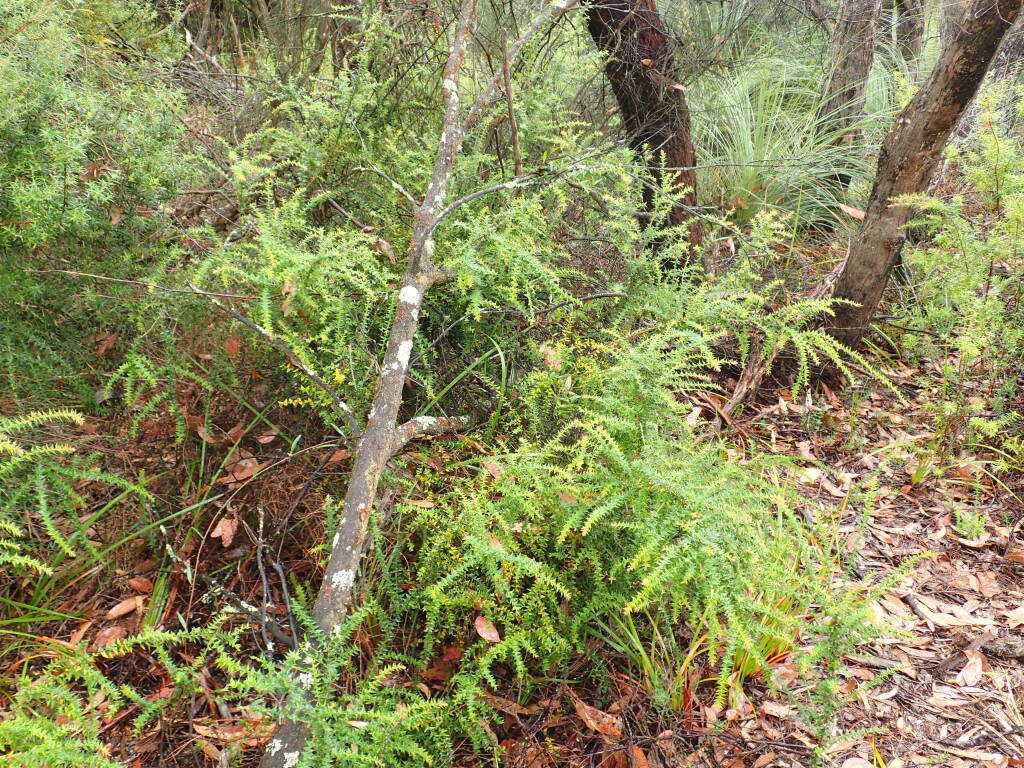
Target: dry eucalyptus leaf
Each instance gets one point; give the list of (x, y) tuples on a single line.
[(486, 630), (225, 531)]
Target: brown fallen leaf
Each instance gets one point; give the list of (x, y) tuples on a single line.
[(595, 719), (339, 455), (849, 210), (638, 757), (231, 347), (141, 584), (242, 470), (225, 531), (939, 700), (288, 291), (1015, 617), (108, 635), (666, 743), (486, 630), (123, 608), (508, 706), (973, 670), (78, 634), (440, 669), (422, 503), (94, 170), (856, 762), (267, 437), (777, 710), (1015, 554)]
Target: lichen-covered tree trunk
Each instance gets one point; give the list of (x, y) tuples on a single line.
[(909, 156), (853, 45), (642, 72)]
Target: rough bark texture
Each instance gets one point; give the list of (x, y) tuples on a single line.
[(642, 72), (853, 45), (909, 156), (909, 23)]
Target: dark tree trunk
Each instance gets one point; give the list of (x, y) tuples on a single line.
[(909, 24), (853, 44), (909, 155), (642, 72)]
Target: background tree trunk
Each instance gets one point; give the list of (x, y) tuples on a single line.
[(909, 155), (853, 41), (642, 72), (909, 22), (951, 15), (1010, 53)]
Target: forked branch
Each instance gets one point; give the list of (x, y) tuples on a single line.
[(383, 436)]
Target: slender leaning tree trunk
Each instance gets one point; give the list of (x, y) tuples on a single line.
[(909, 156), (853, 43), (642, 72)]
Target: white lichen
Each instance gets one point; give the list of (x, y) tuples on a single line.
[(404, 351), (274, 747), (343, 580), (291, 759), (409, 295)]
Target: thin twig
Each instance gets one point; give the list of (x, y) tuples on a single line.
[(346, 412), (151, 286), (393, 182), (264, 599), (225, 594)]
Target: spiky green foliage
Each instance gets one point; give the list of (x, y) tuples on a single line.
[(321, 265), (621, 509), (54, 717), (967, 282), (37, 491), (90, 154)]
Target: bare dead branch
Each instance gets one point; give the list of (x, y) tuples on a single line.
[(383, 436), (424, 426)]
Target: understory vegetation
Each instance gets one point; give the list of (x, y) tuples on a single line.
[(205, 211)]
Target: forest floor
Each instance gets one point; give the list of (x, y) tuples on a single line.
[(940, 686), (944, 689)]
